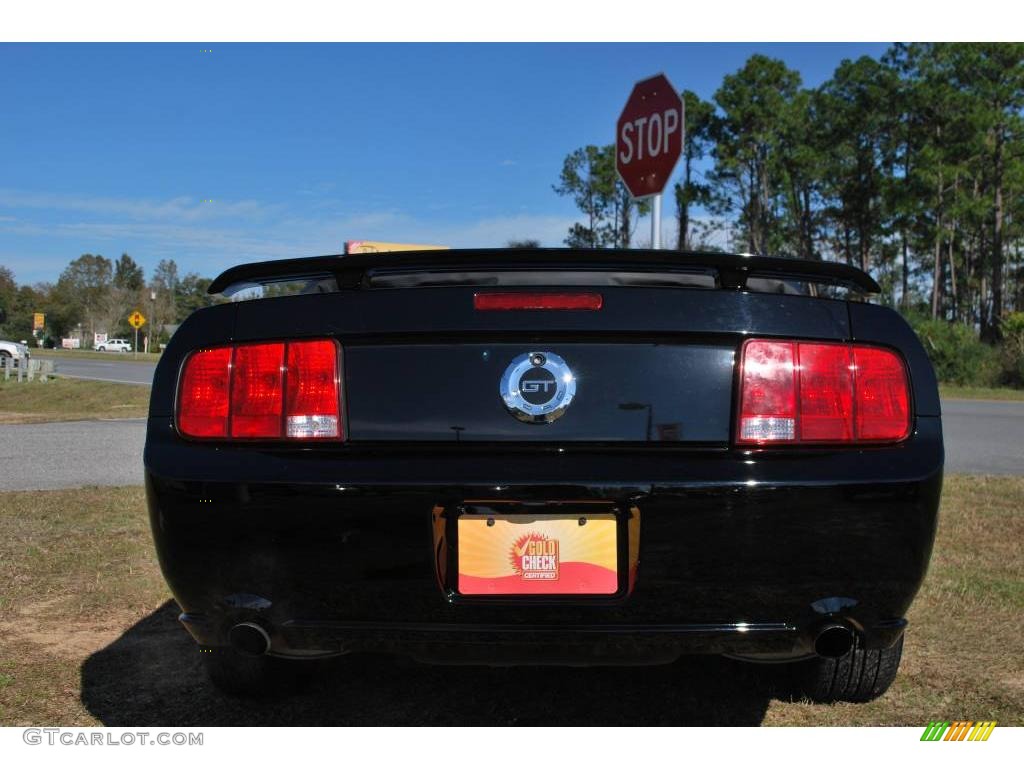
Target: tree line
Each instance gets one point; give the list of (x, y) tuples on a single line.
[(910, 166), (97, 294)]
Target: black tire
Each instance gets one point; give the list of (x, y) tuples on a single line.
[(859, 676), (238, 674)]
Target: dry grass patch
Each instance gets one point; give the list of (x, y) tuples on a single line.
[(76, 569), (70, 400)]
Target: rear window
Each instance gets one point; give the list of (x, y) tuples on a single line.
[(514, 278), (519, 278), (544, 278)]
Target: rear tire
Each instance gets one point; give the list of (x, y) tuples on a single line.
[(238, 674), (861, 675)]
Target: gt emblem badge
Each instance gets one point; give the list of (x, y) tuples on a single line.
[(537, 387)]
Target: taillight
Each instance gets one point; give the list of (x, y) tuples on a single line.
[(795, 392), (511, 301), (204, 398), (271, 391), (883, 400), (768, 402), (826, 381), (314, 396), (257, 386)]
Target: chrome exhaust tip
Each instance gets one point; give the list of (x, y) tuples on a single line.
[(833, 640), (250, 639)]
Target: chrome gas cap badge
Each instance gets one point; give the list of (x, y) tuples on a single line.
[(537, 387)]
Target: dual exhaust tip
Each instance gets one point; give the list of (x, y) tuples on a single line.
[(249, 639), (832, 640)]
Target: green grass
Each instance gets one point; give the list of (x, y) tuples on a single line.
[(955, 392), (89, 354), (70, 400), (87, 636)]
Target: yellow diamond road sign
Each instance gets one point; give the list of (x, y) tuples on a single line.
[(136, 320)]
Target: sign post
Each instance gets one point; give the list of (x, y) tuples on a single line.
[(656, 222), (38, 326), (136, 320), (648, 142)]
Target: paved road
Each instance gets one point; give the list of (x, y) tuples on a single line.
[(121, 371), (71, 454), (981, 438)]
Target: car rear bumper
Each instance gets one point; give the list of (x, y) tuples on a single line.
[(740, 552)]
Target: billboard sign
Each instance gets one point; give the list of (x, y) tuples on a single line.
[(378, 246)]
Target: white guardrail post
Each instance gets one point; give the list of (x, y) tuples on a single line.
[(28, 369)]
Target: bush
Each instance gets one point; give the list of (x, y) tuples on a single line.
[(1013, 349), (958, 355)]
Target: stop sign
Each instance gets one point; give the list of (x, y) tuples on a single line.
[(649, 136)]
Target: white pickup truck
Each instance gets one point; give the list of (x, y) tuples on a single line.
[(12, 350)]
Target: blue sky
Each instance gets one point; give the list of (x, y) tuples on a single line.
[(112, 148)]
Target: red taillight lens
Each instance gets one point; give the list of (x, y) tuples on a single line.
[(510, 301), (768, 392), (314, 396), (806, 392), (257, 385), (883, 399), (278, 390), (205, 387), (826, 392)]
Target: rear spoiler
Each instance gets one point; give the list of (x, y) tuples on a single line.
[(731, 270)]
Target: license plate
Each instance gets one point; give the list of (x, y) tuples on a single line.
[(538, 555)]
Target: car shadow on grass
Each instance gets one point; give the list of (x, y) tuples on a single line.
[(152, 676)]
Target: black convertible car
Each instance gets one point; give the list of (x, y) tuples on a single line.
[(547, 457)]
